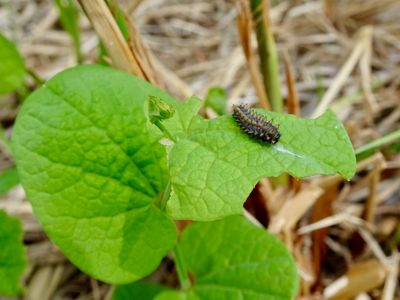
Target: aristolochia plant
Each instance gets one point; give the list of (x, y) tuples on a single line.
[(106, 190)]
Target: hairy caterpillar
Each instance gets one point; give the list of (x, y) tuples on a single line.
[(255, 125)]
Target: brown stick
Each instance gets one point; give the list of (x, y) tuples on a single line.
[(110, 34)]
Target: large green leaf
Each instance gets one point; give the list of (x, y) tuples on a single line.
[(12, 69), (215, 166), (92, 167), (234, 259), (12, 255)]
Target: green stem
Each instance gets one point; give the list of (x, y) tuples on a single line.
[(179, 262), (69, 15), (39, 81), (269, 63), (391, 137), (181, 269), (5, 142), (23, 91), (77, 48), (164, 130), (167, 193)]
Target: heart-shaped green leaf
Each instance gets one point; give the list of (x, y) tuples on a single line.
[(12, 255), (215, 166), (92, 167), (233, 259), (12, 69)]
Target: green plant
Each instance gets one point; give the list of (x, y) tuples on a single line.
[(12, 255), (12, 252), (12, 67), (106, 190), (226, 266), (269, 62), (69, 20)]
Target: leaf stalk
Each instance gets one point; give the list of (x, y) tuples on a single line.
[(181, 269)]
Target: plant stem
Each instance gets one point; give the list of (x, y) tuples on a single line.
[(164, 200), (69, 19), (78, 53), (391, 137), (165, 131), (179, 263), (5, 142), (269, 63), (39, 81), (181, 269), (23, 91)]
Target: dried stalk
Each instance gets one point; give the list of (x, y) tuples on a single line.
[(112, 37)]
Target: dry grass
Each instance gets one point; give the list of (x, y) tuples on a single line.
[(343, 55)]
